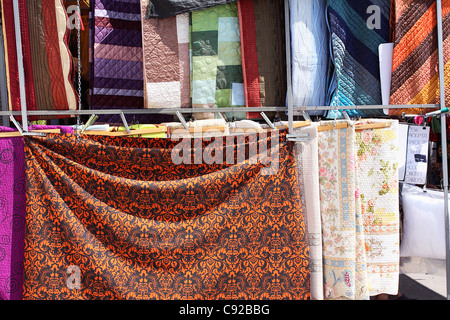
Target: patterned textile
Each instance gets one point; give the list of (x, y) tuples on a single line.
[(377, 165), (12, 212), (415, 70), (354, 51), (309, 47), (307, 154), (263, 53), (117, 79), (344, 264), (167, 8), (146, 135), (48, 65), (166, 60), (69, 4), (139, 226), (216, 77)]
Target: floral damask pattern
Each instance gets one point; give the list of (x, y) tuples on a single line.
[(140, 227), (377, 165)]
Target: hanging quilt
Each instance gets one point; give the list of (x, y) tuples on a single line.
[(166, 60), (344, 262), (70, 6), (168, 8), (307, 153), (415, 68), (117, 71), (377, 165), (12, 216), (216, 67), (310, 53), (127, 222), (12, 211), (355, 37), (263, 53), (47, 61)]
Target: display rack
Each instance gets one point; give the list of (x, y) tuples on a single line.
[(289, 108)]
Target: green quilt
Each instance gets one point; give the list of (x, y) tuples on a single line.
[(216, 67)]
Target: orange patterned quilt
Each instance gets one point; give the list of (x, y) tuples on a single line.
[(115, 218)]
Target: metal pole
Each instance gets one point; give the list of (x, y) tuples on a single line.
[(23, 100), (288, 66), (444, 140)]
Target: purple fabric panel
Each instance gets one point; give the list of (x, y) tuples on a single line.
[(118, 74), (13, 211), (126, 7), (118, 69), (12, 217), (119, 37), (119, 83)]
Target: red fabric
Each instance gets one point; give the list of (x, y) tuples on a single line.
[(249, 53)]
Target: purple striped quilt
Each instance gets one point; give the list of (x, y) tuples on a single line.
[(117, 79)]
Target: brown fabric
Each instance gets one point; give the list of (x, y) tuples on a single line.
[(139, 226), (271, 50)]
